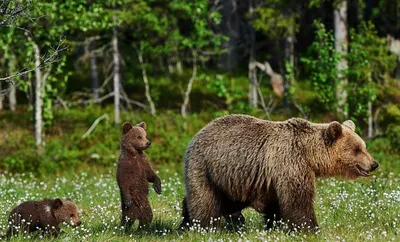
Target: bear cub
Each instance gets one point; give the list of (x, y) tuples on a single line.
[(134, 174), (43, 215)]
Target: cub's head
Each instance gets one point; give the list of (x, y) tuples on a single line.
[(66, 211), (347, 151), (134, 137)]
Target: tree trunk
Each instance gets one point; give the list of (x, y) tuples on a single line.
[(146, 83), (189, 88), (12, 98), (253, 97), (38, 105), (340, 21), (230, 28), (94, 74), (370, 122), (1, 97), (117, 81), (289, 58)]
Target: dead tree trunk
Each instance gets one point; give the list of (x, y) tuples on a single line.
[(146, 83), (116, 71), (189, 88), (340, 20), (276, 79), (253, 96)]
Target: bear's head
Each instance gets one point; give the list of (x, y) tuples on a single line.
[(66, 211), (134, 137), (348, 155)]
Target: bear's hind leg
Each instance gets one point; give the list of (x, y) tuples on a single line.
[(145, 214), (128, 218), (186, 221), (271, 214), (204, 207)]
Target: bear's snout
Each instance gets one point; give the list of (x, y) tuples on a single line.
[(374, 166), (78, 223), (148, 143)]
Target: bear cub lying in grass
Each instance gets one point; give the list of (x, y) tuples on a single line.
[(134, 174), (43, 215)]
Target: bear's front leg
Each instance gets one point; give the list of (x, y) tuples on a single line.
[(296, 202), (153, 178)]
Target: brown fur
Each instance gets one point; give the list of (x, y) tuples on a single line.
[(45, 215), (134, 174), (239, 161)]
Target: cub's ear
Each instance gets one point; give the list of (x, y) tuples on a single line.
[(333, 132), (143, 125), (57, 203), (350, 124), (126, 127)]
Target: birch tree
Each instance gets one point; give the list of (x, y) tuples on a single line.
[(340, 32), (116, 72)]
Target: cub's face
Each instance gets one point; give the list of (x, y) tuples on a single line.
[(135, 137), (348, 152), (66, 212)]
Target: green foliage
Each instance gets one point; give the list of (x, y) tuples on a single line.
[(369, 62), (226, 88), (274, 22), (321, 66)]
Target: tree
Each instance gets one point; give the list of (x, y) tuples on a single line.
[(340, 26)]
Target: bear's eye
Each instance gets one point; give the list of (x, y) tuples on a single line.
[(139, 137), (71, 215), (358, 150)]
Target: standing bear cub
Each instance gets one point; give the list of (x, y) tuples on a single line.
[(43, 215), (134, 174), (239, 161)]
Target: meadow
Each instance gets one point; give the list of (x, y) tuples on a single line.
[(366, 209), (362, 210)]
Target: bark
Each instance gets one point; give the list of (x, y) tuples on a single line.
[(116, 72), (340, 21), (253, 96), (146, 84), (94, 74), (189, 88), (38, 102)]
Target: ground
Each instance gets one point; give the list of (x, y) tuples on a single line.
[(361, 210)]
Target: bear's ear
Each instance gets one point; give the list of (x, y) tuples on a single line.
[(143, 125), (57, 203), (126, 127), (333, 132), (350, 124)]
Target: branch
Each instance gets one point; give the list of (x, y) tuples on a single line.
[(47, 60), (95, 123), (96, 100), (189, 87)]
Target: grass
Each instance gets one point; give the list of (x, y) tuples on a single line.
[(84, 171), (361, 210)]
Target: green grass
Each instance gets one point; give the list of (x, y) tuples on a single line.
[(84, 170), (365, 209)]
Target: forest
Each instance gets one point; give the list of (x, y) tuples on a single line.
[(72, 72)]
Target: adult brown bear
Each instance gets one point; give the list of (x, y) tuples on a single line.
[(240, 161)]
